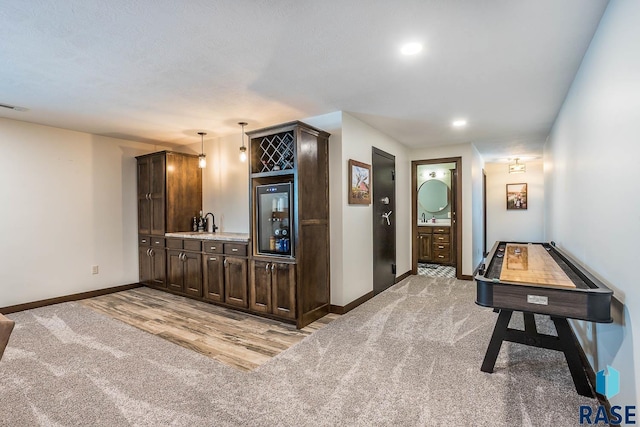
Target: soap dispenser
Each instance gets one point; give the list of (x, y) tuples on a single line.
[(433, 219)]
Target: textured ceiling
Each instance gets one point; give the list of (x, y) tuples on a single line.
[(159, 71)]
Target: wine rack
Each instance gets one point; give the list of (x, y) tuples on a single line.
[(274, 153)]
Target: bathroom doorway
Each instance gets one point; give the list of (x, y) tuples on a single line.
[(436, 200)]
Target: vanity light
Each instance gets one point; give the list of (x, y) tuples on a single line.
[(517, 167), (243, 149), (202, 158), (459, 123)]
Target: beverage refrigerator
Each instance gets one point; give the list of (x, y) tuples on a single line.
[(274, 220)]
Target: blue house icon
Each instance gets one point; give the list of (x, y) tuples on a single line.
[(608, 385)]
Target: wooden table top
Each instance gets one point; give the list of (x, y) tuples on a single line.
[(531, 264)]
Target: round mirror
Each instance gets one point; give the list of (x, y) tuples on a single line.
[(433, 196)]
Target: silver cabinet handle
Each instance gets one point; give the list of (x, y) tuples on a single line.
[(144, 240), (234, 249), (213, 248), (272, 266), (225, 262), (151, 253), (213, 259), (266, 267), (148, 252)]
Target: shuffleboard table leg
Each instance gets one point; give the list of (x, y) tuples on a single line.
[(530, 323), (573, 359), (499, 332)]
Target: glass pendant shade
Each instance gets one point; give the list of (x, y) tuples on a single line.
[(202, 158), (243, 149)]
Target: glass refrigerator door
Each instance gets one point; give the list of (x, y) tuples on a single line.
[(273, 219)]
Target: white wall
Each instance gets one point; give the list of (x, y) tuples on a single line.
[(68, 202), (515, 225), (225, 183), (358, 139), (592, 175), (471, 197)]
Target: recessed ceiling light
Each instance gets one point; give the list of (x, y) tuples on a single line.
[(459, 123), (411, 48)]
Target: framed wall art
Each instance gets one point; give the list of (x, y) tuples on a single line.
[(517, 196), (359, 183)]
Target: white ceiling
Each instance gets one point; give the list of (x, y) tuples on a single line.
[(161, 70)]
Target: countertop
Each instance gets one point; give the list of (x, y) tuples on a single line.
[(200, 235), (438, 223)]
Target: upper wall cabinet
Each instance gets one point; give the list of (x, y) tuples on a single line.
[(169, 192)]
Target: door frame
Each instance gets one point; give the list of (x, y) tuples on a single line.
[(457, 214)]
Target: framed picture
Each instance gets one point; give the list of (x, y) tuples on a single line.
[(516, 196), (359, 183)]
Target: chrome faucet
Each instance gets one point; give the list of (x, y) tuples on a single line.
[(210, 226), (424, 217)]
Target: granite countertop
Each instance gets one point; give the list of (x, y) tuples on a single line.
[(201, 235)]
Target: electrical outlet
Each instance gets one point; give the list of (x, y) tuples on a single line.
[(94, 269)]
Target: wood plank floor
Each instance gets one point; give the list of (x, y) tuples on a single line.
[(234, 338)]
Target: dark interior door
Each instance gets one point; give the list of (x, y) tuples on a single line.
[(383, 170)]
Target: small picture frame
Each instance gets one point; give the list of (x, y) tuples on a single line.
[(517, 196), (359, 183)]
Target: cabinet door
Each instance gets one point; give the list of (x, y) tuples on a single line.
[(174, 270), (260, 289), (213, 277), (144, 202), (235, 275), (158, 268), (192, 273), (283, 287), (144, 263), (424, 247), (157, 193)]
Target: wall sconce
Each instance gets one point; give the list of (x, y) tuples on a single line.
[(202, 158), (243, 149), (517, 167)]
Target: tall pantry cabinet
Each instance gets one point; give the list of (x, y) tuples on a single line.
[(169, 196), (290, 282)]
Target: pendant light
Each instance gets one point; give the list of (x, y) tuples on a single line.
[(243, 149), (517, 167), (202, 158)]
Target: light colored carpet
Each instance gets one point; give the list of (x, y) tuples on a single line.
[(410, 356)]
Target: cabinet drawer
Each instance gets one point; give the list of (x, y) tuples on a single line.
[(157, 242), (144, 240), (441, 256), (235, 249), (443, 247), (425, 230), (192, 245), (212, 247), (440, 238), (174, 243), (441, 230)]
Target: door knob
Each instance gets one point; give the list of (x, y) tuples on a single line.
[(385, 200), (386, 216)]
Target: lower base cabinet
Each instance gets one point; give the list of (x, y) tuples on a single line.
[(235, 281), (184, 272), (272, 288), (152, 261), (219, 272), (213, 284)]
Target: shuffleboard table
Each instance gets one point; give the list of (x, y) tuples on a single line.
[(538, 278)]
